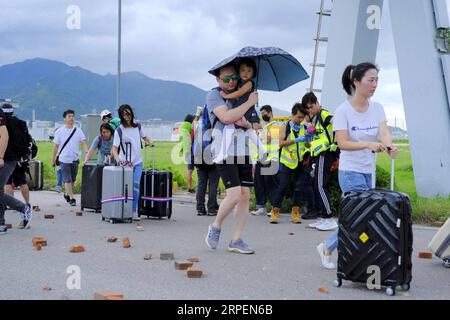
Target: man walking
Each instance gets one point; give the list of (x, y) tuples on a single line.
[(8, 161), (236, 169), (65, 153)]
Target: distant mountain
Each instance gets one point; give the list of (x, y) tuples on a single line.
[(50, 87)]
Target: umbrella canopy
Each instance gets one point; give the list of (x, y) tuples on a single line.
[(277, 69)]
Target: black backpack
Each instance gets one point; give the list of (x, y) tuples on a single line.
[(20, 141)]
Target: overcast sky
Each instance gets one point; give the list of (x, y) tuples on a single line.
[(179, 39)]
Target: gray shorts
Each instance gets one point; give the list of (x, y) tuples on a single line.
[(69, 171)]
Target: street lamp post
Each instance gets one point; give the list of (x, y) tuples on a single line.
[(119, 44)]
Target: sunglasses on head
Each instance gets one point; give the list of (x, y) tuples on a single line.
[(228, 79)]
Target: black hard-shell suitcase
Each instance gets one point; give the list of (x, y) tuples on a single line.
[(155, 193), (375, 233), (91, 186)]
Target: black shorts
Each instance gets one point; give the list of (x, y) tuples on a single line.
[(18, 177), (236, 173)]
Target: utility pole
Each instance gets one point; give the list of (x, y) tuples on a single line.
[(119, 44)]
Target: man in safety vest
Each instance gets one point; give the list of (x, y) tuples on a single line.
[(323, 151), (293, 151), (265, 179)]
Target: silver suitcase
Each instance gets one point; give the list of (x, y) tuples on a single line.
[(117, 194), (440, 244)]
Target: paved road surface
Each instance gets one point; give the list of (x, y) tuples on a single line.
[(284, 266)]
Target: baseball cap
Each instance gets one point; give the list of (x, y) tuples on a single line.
[(7, 108), (105, 113)]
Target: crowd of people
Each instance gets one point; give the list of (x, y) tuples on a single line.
[(114, 134), (235, 145), (280, 158)]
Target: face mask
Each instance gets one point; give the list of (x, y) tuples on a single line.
[(294, 126), (266, 118)]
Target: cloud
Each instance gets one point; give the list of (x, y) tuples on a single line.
[(178, 39)]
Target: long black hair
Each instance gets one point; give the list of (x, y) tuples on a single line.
[(121, 111), (352, 73)]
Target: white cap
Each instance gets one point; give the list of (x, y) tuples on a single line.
[(105, 113)]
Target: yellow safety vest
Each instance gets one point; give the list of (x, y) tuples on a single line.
[(293, 154), (270, 138), (322, 144)]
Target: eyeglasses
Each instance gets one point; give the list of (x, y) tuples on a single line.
[(228, 79)]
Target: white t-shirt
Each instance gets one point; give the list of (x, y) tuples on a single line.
[(361, 127), (133, 136), (70, 152)]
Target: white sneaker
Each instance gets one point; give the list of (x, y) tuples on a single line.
[(316, 224), (258, 212), (136, 217), (326, 260), (328, 225)]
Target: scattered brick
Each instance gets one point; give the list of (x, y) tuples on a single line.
[(38, 247), (167, 256), (194, 273), (36, 208), (79, 213), (438, 224), (47, 288), (8, 226), (107, 295), (114, 298), (147, 256), (425, 255), (323, 290), (291, 233), (126, 242), (77, 249), (112, 239), (193, 260), (49, 216), (39, 240), (183, 265), (140, 228)]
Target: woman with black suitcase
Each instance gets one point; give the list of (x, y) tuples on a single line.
[(361, 131)]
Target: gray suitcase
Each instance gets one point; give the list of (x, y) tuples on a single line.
[(440, 244), (117, 194), (35, 179)]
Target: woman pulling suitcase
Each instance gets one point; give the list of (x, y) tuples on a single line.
[(361, 131), (128, 136)]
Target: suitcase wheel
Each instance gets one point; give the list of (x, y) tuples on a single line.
[(446, 263), (405, 287), (111, 221), (390, 291), (338, 283), (103, 219)]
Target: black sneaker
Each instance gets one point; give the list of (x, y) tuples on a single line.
[(191, 190), (73, 202), (310, 215), (27, 215), (201, 212), (66, 196), (212, 212)]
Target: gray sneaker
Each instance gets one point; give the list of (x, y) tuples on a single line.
[(212, 238), (240, 246), (3, 230)]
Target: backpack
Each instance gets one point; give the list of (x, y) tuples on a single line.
[(202, 136), (20, 141)]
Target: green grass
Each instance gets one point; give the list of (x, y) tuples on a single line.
[(163, 151), (424, 210)]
